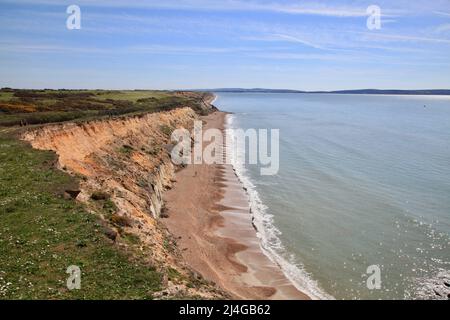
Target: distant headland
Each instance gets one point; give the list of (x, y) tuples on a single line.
[(358, 91)]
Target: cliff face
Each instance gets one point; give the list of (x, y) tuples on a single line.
[(127, 159)]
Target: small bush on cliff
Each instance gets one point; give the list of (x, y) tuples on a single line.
[(142, 183), (166, 130), (164, 212), (109, 207), (99, 195), (174, 275), (121, 221), (126, 149), (154, 150), (130, 238)]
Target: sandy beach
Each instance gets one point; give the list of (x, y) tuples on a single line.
[(209, 214)]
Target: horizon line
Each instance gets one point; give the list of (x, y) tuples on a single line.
[(223, 88)]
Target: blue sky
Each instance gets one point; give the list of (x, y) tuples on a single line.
[(306, 45)]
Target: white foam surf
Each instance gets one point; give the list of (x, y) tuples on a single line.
[(267, 232)]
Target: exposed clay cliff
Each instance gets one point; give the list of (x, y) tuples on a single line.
[(127, 161)]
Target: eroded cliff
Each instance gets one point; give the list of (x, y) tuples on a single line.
[(124, 167)]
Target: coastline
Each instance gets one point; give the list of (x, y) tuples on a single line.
[(209, 215)]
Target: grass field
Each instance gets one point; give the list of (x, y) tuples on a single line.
[(131, 95)]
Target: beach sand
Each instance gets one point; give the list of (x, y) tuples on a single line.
[(209, 214)]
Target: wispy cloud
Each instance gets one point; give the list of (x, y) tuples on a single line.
[(278, 37), (298, 40), (164, 49), (47, 48), (406, 38), (447, 14), (146, 49), (442, 28), (299, 56)]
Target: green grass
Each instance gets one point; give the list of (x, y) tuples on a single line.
[(6, 96), (126, 149), (41, 234), (167, 130), (45, 117), (131, 95)]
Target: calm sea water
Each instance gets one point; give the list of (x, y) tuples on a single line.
[(363, 180)]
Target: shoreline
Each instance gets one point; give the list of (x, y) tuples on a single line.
[(209, 214)]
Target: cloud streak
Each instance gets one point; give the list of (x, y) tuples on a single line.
[(405, 38)]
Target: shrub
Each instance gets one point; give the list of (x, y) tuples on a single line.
[(142, 183), (99, 195), (121, 221), (131, 238), (126, 149), (109, 206), (154, 151), (164, 212), (167, 130)]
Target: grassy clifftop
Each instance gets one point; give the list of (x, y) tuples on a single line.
[(24, 107)]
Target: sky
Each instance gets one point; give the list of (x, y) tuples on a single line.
[(187, 44)]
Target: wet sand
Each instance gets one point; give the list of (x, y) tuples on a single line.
[(209, 214)]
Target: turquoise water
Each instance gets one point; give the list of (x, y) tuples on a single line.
[(363, 180)]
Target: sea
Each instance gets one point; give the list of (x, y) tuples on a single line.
[(360, 206)]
